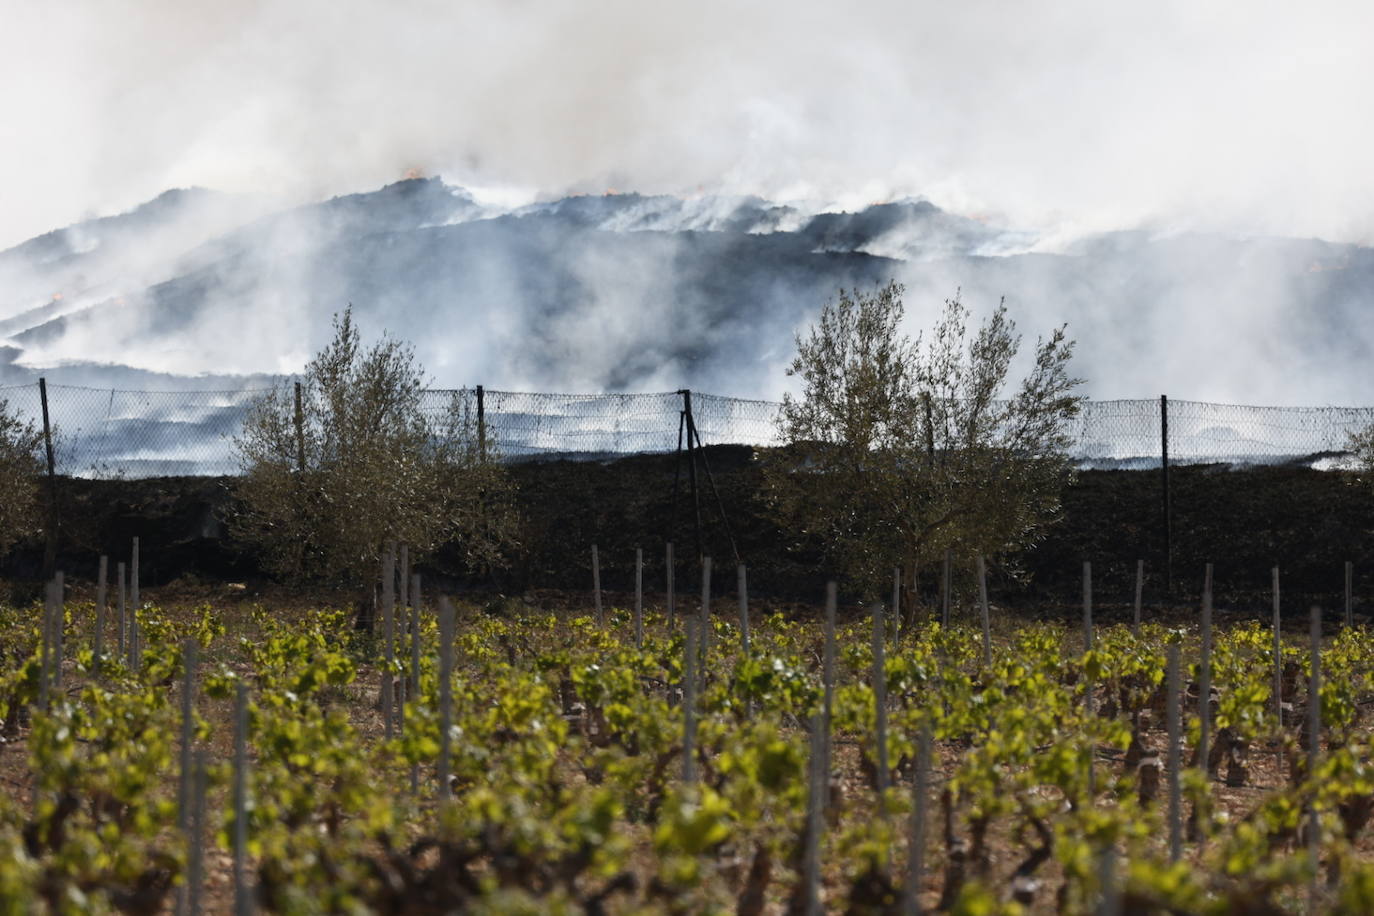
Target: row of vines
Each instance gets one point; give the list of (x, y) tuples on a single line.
[(560, 783)]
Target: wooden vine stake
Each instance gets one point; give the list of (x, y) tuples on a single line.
[(413, 690), (669, 600), (742, 587), (1108, 897), (1314, 736), (1139, 594), (1349, 594), (704, 632), (689, 703), (1278, 659), (987, 617), (188, 705), (596, 587), (816, 800), (639, 598), (880, 702), (1088, 685), (946, 577), (1204, 699), (388, 702), (895, 609), (123, 602), (243, 900), (1172, 710), (45, 649), (59, 633), (446, 637), (916, 846), (828, 684), (134, 579), (100, 611), (195, 865), (402, 604)]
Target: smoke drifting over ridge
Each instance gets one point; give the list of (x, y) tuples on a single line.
[(626, 292), (1064, 115), (1035, 133)]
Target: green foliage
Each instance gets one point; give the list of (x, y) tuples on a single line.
[(900, 449), (365, 465), (19, 476)]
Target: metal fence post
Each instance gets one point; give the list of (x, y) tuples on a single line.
[(50, 542), (481, 424), (1168, 505)]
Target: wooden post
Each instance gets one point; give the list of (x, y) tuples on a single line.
[(1139, 593), (705, 633), (243, 900), (828, 683), (742, 587), (1173, 701), (50, 541), (668, 567), (689, 702), (300, 433), (188, 706), (817, 797), (1108, 900), (946, 575), (413, 685), (100, 611), (880, 701), (388, 635), (1314, 737), (195, 867), (1349, 594), (446, 637), (596, 587), (134, 581), (1278, 659), (413, 691), (895, 609), (915, 862), (59, 633), (1204, 699), (45, 649), (123, 623), (1087, 606), (987, 616), (639, 598)]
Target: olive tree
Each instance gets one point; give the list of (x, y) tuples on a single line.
[(365, 462), (900, 449), (20, 442)]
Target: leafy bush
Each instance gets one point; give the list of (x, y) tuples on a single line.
[(901, 449), (364, 464), (19, 477)]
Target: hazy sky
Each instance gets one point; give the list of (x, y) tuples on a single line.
[(1245, 116)]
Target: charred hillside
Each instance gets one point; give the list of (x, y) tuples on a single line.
[(1244, 522)]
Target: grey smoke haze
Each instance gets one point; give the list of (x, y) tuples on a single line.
[(1042, 131), (1060, 116)]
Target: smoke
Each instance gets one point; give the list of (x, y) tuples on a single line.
[(1065, 117)]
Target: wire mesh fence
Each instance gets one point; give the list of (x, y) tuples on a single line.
[(102, 433)]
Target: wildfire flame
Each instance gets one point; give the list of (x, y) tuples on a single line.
[(56, 297), (413, 173)]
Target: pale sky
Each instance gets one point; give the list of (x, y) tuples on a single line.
[(1064, 117)]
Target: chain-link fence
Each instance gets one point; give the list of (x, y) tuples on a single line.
[(103, 433)]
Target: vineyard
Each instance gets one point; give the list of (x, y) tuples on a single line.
[(640, 756)]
